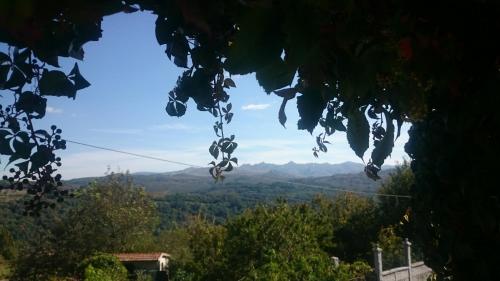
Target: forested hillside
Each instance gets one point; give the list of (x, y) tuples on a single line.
[(227, 230)]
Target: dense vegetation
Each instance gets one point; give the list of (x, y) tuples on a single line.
[(210, 237)]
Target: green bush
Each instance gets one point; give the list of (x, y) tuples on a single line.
[(103, 267)]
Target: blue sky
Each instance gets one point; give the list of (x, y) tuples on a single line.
[(125, 109)]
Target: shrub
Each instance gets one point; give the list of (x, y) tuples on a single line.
[(103, 267)]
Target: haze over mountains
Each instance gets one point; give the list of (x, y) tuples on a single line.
[(263, 176)]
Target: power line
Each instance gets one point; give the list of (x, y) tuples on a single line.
[(134, 154), (275, 179), (344, 190)]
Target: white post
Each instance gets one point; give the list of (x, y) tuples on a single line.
[(335, 261), (407, 247), (377, 255)]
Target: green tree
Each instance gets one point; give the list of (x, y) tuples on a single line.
[(112, 216), (396, 210), (8, 248), (103, 267), (354, 222), (275, 243)]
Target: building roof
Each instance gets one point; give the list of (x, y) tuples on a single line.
[(140, 256)]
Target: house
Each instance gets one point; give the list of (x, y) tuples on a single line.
[(149, 262)]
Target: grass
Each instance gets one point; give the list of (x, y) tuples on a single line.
[(4, 269)]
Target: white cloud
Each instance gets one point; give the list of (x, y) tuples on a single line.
[(54, 110), (253, 106)]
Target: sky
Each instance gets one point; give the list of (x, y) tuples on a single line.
[(124, 109)]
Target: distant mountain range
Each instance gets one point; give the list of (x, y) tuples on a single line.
[(290, 169), (303, 177)]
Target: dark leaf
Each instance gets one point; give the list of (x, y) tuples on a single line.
[(40, 158), (179, 48), (229, 167), (162, 31), (222, 163), (181, 61), (372, 114), (5, 137), (234, 160), (175, 108), (16, 79), (229, 117), (13, 124), (275, 75), (55, 83), (228, 147), (4, 71), (4, 58), (23, 166), (42, 133), (358, 131), (310, 106), (383, 148), (338, 125), (76, 53), (258, 41), (22, 147), (76, 76), (372, 172), (213, 172), (31, 103), (228, 82), (400, 124), (214, 150), (21, 57), (281, 113), (288, 93)]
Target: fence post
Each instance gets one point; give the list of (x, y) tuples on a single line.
[(377, 254), (335, 261), (407, 248)]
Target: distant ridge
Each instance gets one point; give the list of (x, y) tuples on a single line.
[(348, 175), (290, 169)]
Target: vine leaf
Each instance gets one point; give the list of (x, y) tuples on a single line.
[(175, 108), (214, 150), (16, 79), (40, 158), (281, 114), (31, 103), (5, 148), (228, 83), (310, 106), (55, 83), (358, 131), (383, 147), (76, 76)]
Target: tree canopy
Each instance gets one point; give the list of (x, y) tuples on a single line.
[(358, 66)]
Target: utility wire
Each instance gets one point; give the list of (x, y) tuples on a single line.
[(272, 178), (343, 190), (134, 154)]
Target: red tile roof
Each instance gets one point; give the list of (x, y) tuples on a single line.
[(139, 256)]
